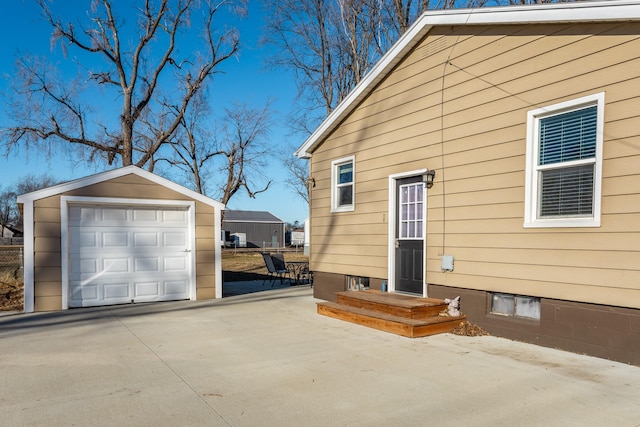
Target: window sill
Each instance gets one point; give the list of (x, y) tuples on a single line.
[(343, 209), (562, 223)]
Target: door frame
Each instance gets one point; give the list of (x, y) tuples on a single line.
[(65, 201), (391, 268)]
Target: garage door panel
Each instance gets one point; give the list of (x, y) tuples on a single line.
[(86, 294), (117, 292), (145, 215), (175, 287), (115, 239), (146, 289), (112, 215), (174, 216), (115, 265), (120, 254), (174, 238), (146, 239), (175, 264), (145, 265)]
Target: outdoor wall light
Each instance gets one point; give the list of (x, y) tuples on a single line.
[(428, 177), (311, 182)]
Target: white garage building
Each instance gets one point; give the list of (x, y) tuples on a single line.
[(122, 236)]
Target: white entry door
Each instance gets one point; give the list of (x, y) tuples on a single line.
[(121, 254)]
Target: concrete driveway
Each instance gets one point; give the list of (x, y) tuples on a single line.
[(266, 359)]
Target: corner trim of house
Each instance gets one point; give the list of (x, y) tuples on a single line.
[(217, 228), (29, 258)]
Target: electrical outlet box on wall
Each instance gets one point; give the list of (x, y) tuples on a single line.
[(447, 262)]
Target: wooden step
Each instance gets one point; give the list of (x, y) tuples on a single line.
[(406, 327), (401, 305)]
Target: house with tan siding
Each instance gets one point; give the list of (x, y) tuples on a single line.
[(494, 154)]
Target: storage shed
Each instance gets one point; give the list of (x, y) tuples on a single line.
[(121, 236), (262, 229)]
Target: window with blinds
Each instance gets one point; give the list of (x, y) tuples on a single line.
[(564, 162), (567, 154)]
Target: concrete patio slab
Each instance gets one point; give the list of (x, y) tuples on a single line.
[(267, 358)]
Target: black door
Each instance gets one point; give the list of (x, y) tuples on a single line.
[(410, 226)]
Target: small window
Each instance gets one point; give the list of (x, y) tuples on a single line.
[(516, 306), (342, 183), (564, 162), (357, 283)]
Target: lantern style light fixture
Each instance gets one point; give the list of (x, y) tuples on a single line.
[(428, 177)]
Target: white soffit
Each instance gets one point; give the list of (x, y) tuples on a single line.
[(586, 11)]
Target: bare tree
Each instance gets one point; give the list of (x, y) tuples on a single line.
[(32, 182), (51, 112), (331, 45), (244, 145), (298, 173), (237, 150), (9, 213), (8, 210), (326, 44)]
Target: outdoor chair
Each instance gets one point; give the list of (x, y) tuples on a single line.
[(275, 267)]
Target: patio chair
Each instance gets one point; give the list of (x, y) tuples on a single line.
[(274, 268)]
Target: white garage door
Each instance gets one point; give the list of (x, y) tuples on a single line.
[(123, 254)]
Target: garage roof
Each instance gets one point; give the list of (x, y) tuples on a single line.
[(116, 173), (574, 12), (250, 216)]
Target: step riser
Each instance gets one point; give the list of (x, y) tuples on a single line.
[(422, 312), (395, 327), (381, 325)]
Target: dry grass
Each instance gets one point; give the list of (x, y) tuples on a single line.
[(240, 266), (11, 292)]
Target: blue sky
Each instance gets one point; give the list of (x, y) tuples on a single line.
[(245, 79)]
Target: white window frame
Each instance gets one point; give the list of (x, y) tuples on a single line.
[(531, 219), (335, 185)]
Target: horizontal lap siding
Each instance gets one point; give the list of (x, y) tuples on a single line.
[(492, 78), (492, 251)]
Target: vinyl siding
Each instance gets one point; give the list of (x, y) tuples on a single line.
[(471, 88)]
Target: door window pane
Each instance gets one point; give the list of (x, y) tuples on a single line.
[(411, 211)]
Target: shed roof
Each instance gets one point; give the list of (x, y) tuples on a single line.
[(250, 216), (112, 174), (575, 12)]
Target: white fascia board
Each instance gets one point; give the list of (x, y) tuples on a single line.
[(587, 11), (116, 173)]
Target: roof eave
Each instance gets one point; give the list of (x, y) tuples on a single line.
[(112, 174)]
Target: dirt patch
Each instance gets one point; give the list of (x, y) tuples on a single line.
[(11, 286), (243, 266)]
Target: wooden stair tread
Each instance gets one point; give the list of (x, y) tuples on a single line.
[(391, 317), (398, 300)]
